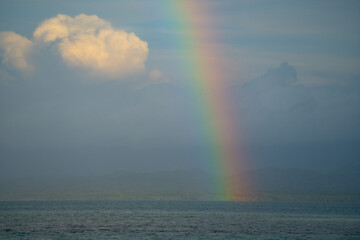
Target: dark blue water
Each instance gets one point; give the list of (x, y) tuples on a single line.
[(178, 220)]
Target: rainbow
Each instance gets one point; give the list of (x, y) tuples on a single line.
[(207, 79)]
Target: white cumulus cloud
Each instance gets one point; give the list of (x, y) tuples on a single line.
[(15, 49), (92, 43)]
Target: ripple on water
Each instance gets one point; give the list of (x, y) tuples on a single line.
[(176, 220)]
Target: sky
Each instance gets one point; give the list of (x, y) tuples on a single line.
[(91, 87)]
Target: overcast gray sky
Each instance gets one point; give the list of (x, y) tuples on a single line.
[(98, 88)]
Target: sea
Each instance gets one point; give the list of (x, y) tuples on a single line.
[(178, 220)]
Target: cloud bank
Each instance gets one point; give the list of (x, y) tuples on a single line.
[(276, 108), (15, 50), (85, 42)]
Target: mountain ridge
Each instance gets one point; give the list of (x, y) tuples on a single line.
[(182, 184)]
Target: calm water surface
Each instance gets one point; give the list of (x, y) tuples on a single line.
[(178, 220)]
